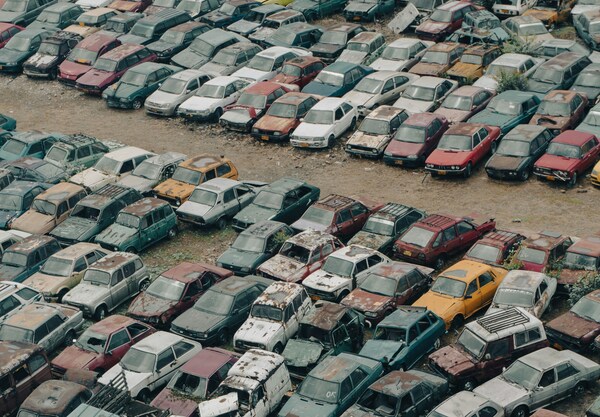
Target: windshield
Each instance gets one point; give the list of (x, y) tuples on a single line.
[(548, 75), (319, 390), (497, 70), (395, 334), (134, 78), (188, 384), (118, 27), (225, 57), (312, 333), (513, 297), (417, 236), (472, 59), (319, 117), (16, 6), (142, 29), (49, 49), (201, 47), (282, 110), (205, 197), (375, 126), (381, 404), (532, 29), (458, 102), (85, 212), (284, 36), (448, 286), (291, 70), (268, 199), (44, 207), (588, 79), (128, 220), (16, 259), (87, 20), (379, 226), (92, 341), (376, 284), (563, 149), (587, 309), (105, 64), (96, 277), (455, 143), (334, 37), (415, 92), (330, 78), (358, 46), (318, 216), (369, 85), (211, 91), (57, 154), (190, 6), (249, 243), (57, 267), (261, 63), (173, 36), (147, 170), (439, 15), (337, 266), (167, 289), (173, 86), (214, 302), (592, 119), (522, 374), (48, 17), (187, 175), (14, 146), (511, 147), (82, 56), (471, 343), (261, 311), (257, 101), (433, 57), (395, 54), (410, 134), (138, 361), (254, 16), (10, 202), (295, 252), (535, 256), (579, 261), (15, 334), (553, 108), (484, 252), (504, 106)]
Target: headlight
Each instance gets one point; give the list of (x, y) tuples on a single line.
[(370, 314), (429, 165), (104, 96), (254, 130), (238, 343), (177, 202), (388, 154), (555, 132), (455, 167), (276, 133), (412, 157), (245, 269)]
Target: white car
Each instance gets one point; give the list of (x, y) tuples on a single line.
[(506, 8), (231, 58), (585, 7), (267, 63), (527, 29), (92, 4), (467, 404), (343, 270), (10, 237), (425, 94), (174, 91), (324, 123), (210, 99), (377, 88), (401, 55), (112, 167), (151, 363), (508, 63)]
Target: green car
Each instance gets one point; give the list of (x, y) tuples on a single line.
[(7, 123), (368, 10), (332, 386), (253, 246), (284, 200), (140, 225), (316, 9), (20, 47), (137, 84), (508, 109), (57, 16)]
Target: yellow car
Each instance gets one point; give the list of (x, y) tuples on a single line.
[(595, 177), (462, 290)]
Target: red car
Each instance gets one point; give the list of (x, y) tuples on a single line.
[(568, 156), (415, 139), (283, 116), (299, 71), (174, 291), (195, 381), (444, 20), (101, 345), (84, 55), (461, 148), (110, 67), (538, 252), (130, 5), (7, 31), (494, 247), (434, 239)]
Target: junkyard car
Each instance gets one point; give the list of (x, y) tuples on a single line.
[(94, 213), (129, 6), (465, 403), (375, 132), (510, 63), (588, 83), (108, 283), (464, 102), (151, 27), (152, 171), (569, 155), (7, 31), (367, 10), (552, 47), (531, 291), (175, 291), (316, 9), (48, 325), (173, 91), (28, 144), (363, 48), (283, 200), (327, 329), (16, 199), (462, 147), (101, 345), (343, 271), (6, 177), (35, 169), (334, 40), (7, 123), (221, 310), (278, 20), (560, 110), (230, 11), (216, 201), (196, 8), (401, 55), (230, 59), (415, 139), (387, 287), (283, 116), (255, 18), (253, 246), (487, 345), (205, 47), (112, 167), (14, 295), (540, 378), (494, 247), (121, 23), (527, 29), (337, 79), (75, 153), (480, 26), (517, 152), (22, 13), (541, 251), (299, 71), (325, 122), (57, 16), (299, 256), (473, 62), (425, 94), (67, 396), (444, 20), (438, 59), (51, 53), (151, 362), (24, 258), (461, 291), (591, 124), (557, 73), (587, 26), (581, 259), (507, 110), (63, 270), (176, 39), (333, 386), (91, 21)]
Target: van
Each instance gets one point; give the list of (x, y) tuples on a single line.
[(151, 28), (558, 73)]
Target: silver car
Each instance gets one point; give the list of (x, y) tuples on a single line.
[(231, 58), (175, 90), (401, 55), (467, 404), (153, 171)]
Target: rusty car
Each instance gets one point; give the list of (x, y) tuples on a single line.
[(25, 257), (480, 27), (473, 62), (14, 295), (582, 259), (465, 403), (55, 399), (541, 251), (299, 71), (560, 110), (464, 102), (334, 40), (444, 20), (494, 247), (363, 48), (401, 55), (438, 59), (153, 171)]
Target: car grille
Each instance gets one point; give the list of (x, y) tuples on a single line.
[(544, 171), (190, 218), (187, 332), (362, 149), (244, 345), (321, 295), (57, 371)]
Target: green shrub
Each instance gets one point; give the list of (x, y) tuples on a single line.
[(585, 285), (511, 81)]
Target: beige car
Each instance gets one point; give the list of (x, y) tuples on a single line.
[(50, 208), (64, 270), (91, 21)]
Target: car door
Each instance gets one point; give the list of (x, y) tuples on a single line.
[(131, 277), (567, 378), (467, 234), (147, 231), (343, 223), (360, 214), (450, 240), (497, 355), (487, 286), (118, 289), (545, 391), (231, 204), (165, 367), (117, 346), (23, 385), (472, 301), (138, 331), (241, 306), (244, 195)]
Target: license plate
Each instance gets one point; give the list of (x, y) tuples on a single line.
[(504, 11), (407, 253), (441, 172), (356, 18), (558, 346), (315, 297), (81, 24), (400, 162), (550, 178), (264, 137), (304, 145)]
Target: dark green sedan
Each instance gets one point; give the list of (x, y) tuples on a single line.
[(137, 84), (20, 47)]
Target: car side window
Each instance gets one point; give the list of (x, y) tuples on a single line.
[(565, 370), (450, 233), (165, 358), (488, 412), (35, 363), (388, 86), (117, 277), (472, 287), (128, 269), (118, 339), (80, 265), (361, 266), (209, 175), (347, 107), (339, 114), (223, 170), (181, 348), (412, 333), (136, 329), (288, 313), (345, 389), (498, 348), (126, 167), (406, 404), (423, 325), (547, 379), (437, 241), (8, 304), (20, 374), (527, 337), (343, 216), (40, 333), (485, 279), (374, 260), (327, 249), (358, 209), (464, 227)]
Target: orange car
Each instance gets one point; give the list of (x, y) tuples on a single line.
[(461, 291)]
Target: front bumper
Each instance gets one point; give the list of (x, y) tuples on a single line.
[(70, 82), (190, 218), (238, 127), (87, 311), (116, 103), (403, 160), (208, 338), (10, 68), (89, 89), (173, 201), (243, 345), (36, 73), (552, 175), (159, 111), (270, 136), (315, 143), (595, 179), (317, 295), (445, 170), (363, 151), (501, 174)]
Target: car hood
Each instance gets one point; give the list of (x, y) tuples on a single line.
[(573, 325), (281, 267), (325, 90), (326, 48), (9, 56), (438, 304), (359, 7), (502, 392), (216, 16), (6, 216), (73, 228), (584, 9), (302, 353), (489, 118), (124, 90), (301, 5), (462, 69), (451, 360), (149, 305), (143, 185), (215, 69), (75, 358), (370, 240), (34, 222), (502, 162), (178, 405), (41, 60), (239, 116), (276, 124), (159, 45), (356, 411), (196, 209), (85, 293), (243, 27), (261, 34), (253, 214), (354, 57), (300, 406), (129, 38), (96, 77), (44, 283), (381, 64), (258, 331), (189, 59), (250, 74), (358, 98), (568, 276), (488, 82), (366, 301), (174, 188), (399, 148), (91, 177), (74, 68), (413, 106), (557, 162), (162, 97), (302, 224), (135, 380), (8, 273), (124, 5), (429, 26), (198, 321), (453, 115), (116, 234), (235, 257), (426, 68), (539, 87), (590, 92), (440, 157), (9, 16), (364, 139), (551, 122), (199, 103), (324, 281), (312, 130), (382, 350)]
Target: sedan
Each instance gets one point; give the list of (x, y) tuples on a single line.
[(173, 91), (425, 94), (464, 102), (337, 79)]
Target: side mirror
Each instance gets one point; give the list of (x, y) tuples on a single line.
[(109, 353), (487, 357), (236, 311), (188, 91)]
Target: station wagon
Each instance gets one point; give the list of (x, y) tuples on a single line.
[(67, 395), (176, 39), (16, 199), (57, 16), (76, 152), (28, 144), (51, 53), (230, 11), (152, 172), (205, 47), (150, 28), (14, 295)]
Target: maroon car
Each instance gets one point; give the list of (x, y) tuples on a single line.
[(174, 291), (464, 102), (84, 55), (444, 20), (7, 31), (581, 259), (542, 250), (386, 287), (299, 71), (110, 67), (432, 240), (494, 247), (195, 381), (101, 345), (415, 139), (568, 156), (130, 5)]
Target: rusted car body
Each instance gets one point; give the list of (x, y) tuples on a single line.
[(473, 62), (444, 20), (581, 259), (438, 59), (464, 102), (560, 110), (25, 257), (299, 71), (551, 13), (541, 251), (494, 247), (55, 399), (130, 5)]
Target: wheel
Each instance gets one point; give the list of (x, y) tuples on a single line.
[(437, 344), (144, 285), (137, 104), (100, 313), (330, 141), (131, 249), (278, 349), (468, 385), (457, 322), (343, 295), (144, 396), (61, 294), (579, 390), (572, 181), (69, 338), (494, 146), (221, 223), (311, 17), (520, 411), (217, 114), (172, 233), (468, 170), (524, 175), (353, 124), (223, 337), (440, 262), (53, 73)]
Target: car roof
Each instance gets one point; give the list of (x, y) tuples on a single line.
[(522, 280), (95, 41), (515, 96), (19, 187), (343, 27), (150, 67), (335, 202), (461, 404), (467, 91), (266, 8), (503, 323), (525, 133), (13, 354), (421, 119), (561, 61), (190, 271), (144, 206), (203, 162), (340, 67), (223, 80), (496, 237), (206, 362), (445, 46), (365, 37), (404, 316), (480, 49), (283, 185), (391, 211), (30, 316), (31, 243), (573, 137), (325, 315), (586, 246), (218, 184), (404, 42), (279, 294), (113, 261), (234, 285), (263, 88), (454, 5), (61, 7), (437, 221), (462, 128), (162, 15), (263, 228), (353, 253), (547, 357), (335, 368), (186, 27), (112, 324), (157, 342), (561, 96), (428, 81), (77, 250), (385, 113), (294, 97), (31, 136), (240, 2), (543, 240), (329, 103), (99, 11), (28, 162), (167, 157), (126, 152), (255, 362), (465, 270), (383, 75), (283, 14), (274, 51), (31, 32), (52, 397), (240, 46), (525, 19), (396, 269), (310, 239), (511, 59), (122, 51)]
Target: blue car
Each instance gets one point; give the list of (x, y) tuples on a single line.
[(31, 144), (337, 79), (7, 123), (24, 258), (16, 199)]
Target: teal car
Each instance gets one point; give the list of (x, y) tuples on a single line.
[(284, 200), (32, 144), (332, 386), (508, 109), (20, 47), (7, 123), (139, 225), (137, 84), (404, 337), (57, 16), (317, 9)]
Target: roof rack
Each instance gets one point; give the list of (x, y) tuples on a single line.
[(111, 190), (555, 235), (503, 320), (335, 201), (436, 220), (501, 235), (395, 209), (113, 396), (78, 139)]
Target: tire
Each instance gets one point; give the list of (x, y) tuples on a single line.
[(53, 73), (172, 233), (469, 385), (353, 124), (137, 104), (217, 114), (61, 294), (440, 262), (131, 249), (494, 147), (144, 285), (69, 338), (524, 175), (100, 313), (221, 223), (278, 349), (343, 295), (144, 396), (468, 170), (573, 181), (437, 344), (457, 322), (223, 337), (330, 141), (579, 390), (520, 411)]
